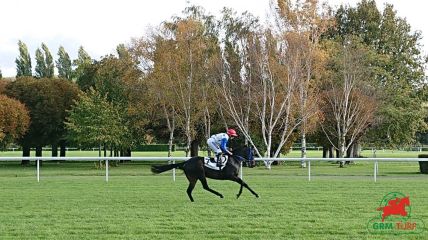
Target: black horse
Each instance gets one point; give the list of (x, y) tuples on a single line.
[(195, 170)]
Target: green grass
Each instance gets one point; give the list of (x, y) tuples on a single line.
[(73, 201)]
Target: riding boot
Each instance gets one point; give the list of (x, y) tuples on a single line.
[(218, 157)]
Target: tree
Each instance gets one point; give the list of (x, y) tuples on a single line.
[(3, 84), (44, 63), (94, 121), (236, 69), (64, 64), (349, 97), (301, 24), (40, 64), (160, 79), (47, 101), (399, 69), (14, 120), (119, 80), (23, 62), (190, 54), (82, 63), (1, 75), (49, 62)]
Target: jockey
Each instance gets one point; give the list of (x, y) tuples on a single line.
[(218, 143)]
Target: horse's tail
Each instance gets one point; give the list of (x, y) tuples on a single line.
[(163, 168)]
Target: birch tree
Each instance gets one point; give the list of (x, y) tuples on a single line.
[(274, 95), (190, 56), (236, 68), (300, 24), (349, 101)]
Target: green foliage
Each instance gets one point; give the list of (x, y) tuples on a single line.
[(47, 102), (64, 64), (122, 52), (23, 62), (14, 120), (49, 73), (93, 121), (1, 75), (85, 76), (398, 69), (44, 63), (81, 63), (40, 64)]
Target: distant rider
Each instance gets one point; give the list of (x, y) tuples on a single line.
[(218, 144)]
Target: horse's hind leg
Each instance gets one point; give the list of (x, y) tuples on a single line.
[(240, 191), (206, 187), (192, 183), (243, 184)]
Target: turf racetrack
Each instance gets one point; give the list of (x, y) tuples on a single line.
[(73, 201)]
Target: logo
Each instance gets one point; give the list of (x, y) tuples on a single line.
[(395, 216)]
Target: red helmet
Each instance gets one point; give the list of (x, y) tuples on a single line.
[(231, 132)]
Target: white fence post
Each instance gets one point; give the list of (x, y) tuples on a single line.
[(106, 170), (38, 170), (375, 171)]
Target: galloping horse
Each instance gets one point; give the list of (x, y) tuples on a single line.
[(195, 170)]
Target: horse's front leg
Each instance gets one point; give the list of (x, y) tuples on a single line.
[(243, 184)]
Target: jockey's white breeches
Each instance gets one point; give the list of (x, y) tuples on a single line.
[(213, 145)]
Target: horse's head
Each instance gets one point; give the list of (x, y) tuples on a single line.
[(244, 154)]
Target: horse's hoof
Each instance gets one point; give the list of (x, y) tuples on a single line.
[(221, 196), (257, 196)]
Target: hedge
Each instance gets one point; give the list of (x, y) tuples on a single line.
[(423, 165)]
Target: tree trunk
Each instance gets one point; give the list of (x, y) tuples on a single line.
[(63, 148), (194, 148), (303, 149), (54, 150), (342, 150), (39, 153), (99, 150), (170, 141), (189, 139), (128, 152), (325, 151), (331, 152), (357, 149), (25, 153)]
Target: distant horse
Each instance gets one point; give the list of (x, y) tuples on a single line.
[(195, 170)]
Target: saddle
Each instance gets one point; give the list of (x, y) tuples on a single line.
[(212, 162)]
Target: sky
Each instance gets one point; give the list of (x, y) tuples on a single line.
[(100, 25)]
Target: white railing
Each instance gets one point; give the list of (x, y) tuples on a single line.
[(173, 159)]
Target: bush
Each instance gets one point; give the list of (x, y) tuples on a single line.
[(423, 165)]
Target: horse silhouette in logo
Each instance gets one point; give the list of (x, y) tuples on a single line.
[(395, 206)]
